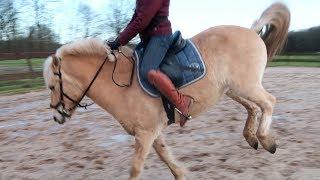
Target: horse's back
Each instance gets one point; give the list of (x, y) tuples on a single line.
[(230, 39), (232, 52)]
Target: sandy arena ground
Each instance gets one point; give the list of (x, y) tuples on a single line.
[(92, 145)]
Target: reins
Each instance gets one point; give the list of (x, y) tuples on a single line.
[(131, 60), (86, 91)]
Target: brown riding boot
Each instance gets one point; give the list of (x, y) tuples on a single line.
[(163, 83)]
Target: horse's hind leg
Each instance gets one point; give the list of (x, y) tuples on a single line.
[(164, 154), (249, 131), (143, 145), (266, 102)]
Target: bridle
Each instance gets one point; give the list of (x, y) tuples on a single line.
[(60, 106)]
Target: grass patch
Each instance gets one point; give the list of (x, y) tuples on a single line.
[(22, 63), (21, 86), (26, 84), (293, 64), (296, 61), (297, 58)]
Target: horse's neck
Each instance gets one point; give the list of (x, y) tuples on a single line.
[(118, 101)]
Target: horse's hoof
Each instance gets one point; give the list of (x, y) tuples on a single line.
[(252, 140), (253, 143), (273, 149), (268, 143), (255, 146)]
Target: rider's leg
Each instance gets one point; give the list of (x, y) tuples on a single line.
[(154, 54), (166, 87)]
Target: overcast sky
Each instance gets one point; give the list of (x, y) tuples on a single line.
[(195, 16), (192, 17)]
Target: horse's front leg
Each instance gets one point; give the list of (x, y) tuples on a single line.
[(164, 154), (144, 141)]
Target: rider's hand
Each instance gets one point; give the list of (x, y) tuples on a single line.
[(114, 45)]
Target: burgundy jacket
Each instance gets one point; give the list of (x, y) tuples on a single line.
[(146, 13)]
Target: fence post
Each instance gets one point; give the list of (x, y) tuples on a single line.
[(33, 75), (29, 63)]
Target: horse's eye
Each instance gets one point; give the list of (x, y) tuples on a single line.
[(51, 87)]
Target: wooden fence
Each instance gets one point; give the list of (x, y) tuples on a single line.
[(27, 56), (23, 56)]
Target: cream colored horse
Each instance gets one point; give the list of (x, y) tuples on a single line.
[(235, 57)]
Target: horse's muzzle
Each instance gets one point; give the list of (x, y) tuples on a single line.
[(60, 121)]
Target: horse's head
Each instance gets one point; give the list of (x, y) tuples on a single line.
[(66, 86), (63, 92)]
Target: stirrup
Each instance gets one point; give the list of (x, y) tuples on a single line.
[(188, 117)]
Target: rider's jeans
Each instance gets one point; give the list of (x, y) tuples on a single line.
[(154, 53)]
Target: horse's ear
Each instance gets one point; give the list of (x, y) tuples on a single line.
[(55, 61)]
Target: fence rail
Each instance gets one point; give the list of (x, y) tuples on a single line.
[(31, 71), (24, 55)]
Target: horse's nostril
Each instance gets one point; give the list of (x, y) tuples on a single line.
[(55, 119)]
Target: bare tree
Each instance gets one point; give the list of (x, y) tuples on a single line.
[(87, 15), (38, 9), (8, 20), (40, 18), (118, 17)]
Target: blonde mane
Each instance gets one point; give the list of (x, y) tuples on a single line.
[(47, 72), (84, 47)]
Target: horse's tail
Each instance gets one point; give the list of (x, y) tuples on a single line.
[(275, 20)]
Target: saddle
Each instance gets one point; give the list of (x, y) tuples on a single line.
[(183, 64)]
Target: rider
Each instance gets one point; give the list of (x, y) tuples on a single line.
[(150, 21)]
